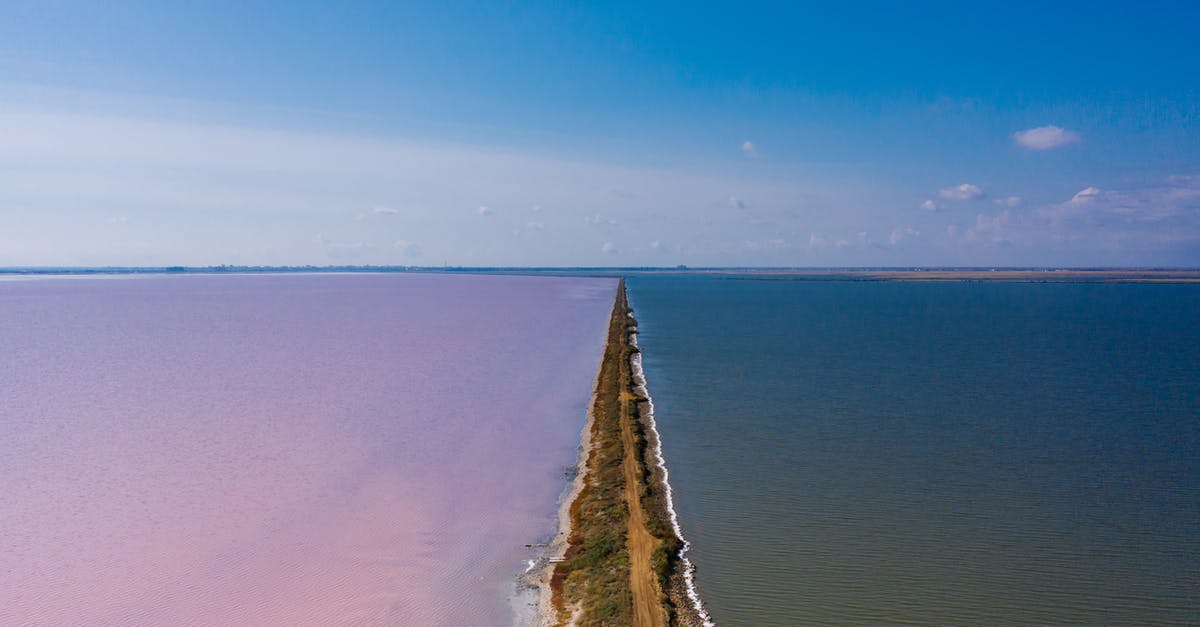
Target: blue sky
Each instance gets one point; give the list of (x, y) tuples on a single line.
[(787, 134)]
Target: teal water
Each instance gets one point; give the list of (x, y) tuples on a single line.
[(966, 453)]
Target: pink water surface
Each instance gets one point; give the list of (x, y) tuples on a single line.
[(286, 449)]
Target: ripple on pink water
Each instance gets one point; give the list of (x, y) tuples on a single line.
[(285, 449)]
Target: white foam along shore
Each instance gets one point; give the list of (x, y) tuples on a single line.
[(689, 579)]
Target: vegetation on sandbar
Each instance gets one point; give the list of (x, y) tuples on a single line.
[(595, 576)]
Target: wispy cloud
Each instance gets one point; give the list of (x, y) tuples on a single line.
[(237, 190), (1176, 200), (609, 248), (991, 229), (1045, 137), (1085, 195), (1011, 202), (624, 194), (965, 191), (769, 245), (899, 234), (342, 250), (1129, 220), (860, 240), (409, 249), (929, 205), (226, 193), (599, 220), (749, 149), (534, 225)]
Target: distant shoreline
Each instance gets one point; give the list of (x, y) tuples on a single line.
[(908, 274), (1048, 275)]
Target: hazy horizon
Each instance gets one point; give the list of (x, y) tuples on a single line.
[(366, 268)]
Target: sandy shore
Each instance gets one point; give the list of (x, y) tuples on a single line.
[(534, 601), (536, 580)]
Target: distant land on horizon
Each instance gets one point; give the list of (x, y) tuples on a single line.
[(1030, 274)]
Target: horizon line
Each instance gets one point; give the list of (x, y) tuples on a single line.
[(220, 268)]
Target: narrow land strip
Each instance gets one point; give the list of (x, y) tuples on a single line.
[(620, 564)]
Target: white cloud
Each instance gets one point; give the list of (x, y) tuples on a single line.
[(118, 220), (749, 149), (1045, 137), (1084, 205), (484, 210), (899, 234), (737, 203), (929, 205), (1111, 222), (817, 240), (656, 246), (1085, 195), (598, 220), (536, 209), (609, 248), (965, 191), (535, 226), (1011, 202), (410, 249), (1178, 201), (384, 211)]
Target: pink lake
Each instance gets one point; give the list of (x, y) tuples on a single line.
[(285, 449)]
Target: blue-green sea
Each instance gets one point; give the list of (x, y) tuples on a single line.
[(931, 453)]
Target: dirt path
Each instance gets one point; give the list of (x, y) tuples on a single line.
[(647, 611)]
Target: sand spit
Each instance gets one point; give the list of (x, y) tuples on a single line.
[(622, 559)]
